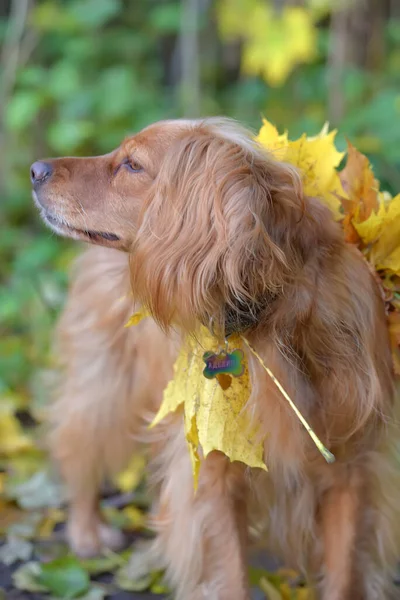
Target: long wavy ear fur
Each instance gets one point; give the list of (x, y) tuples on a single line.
[(221, 228)]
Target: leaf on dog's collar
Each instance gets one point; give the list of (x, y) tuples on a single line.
[(214, 419), (215, 415)]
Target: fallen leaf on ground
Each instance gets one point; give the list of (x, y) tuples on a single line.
[(9, 515), (271, 592), (136, 517), (123, 580), (26, 527), (96, 592), (64, 577), (53, 517), (50, 550), (14, 549), (141, 572), (12, 437), (26, 578), (40, 491), (106, 563)]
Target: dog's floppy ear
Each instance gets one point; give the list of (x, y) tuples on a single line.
[(219, 231)]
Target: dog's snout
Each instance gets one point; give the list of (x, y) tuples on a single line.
[(40, 171)]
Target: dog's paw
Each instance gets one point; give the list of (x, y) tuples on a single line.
[(89, 541), (111, 538), (84, 541)]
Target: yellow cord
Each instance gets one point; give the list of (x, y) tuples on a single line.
[(328, 456)]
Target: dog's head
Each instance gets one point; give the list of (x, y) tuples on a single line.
[(214, 224)]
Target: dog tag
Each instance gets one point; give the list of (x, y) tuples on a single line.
[(223, 363)]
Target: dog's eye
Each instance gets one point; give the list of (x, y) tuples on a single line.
[(132, 165)]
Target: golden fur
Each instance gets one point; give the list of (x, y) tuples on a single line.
[(217, 231)]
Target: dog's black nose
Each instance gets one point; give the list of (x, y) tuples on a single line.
[(40, 171)]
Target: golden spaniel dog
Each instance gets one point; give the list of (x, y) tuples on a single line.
[(202, 225)]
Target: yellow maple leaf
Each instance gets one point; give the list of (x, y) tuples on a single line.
[(192, 437), (269, 137), (371, 228), (12, 437), (392, 260), (305, 593), (215, 419), (277, 42), (234, 17), (52, 518), (316, 159), (136, 517), (321, 8), (385, 253), (303, 37), (274, 42)]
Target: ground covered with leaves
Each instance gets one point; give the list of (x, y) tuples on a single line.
[(35, 562)]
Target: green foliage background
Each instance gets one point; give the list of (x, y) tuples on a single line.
[(88, 72)]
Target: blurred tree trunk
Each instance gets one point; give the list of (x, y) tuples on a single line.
[(394, 9), (356, 39), (4, 7), (10, 58), (190, 58)]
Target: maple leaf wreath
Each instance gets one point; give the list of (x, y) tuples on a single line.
[(213, 400)]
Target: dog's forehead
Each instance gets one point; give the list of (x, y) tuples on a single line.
[(157, 136)]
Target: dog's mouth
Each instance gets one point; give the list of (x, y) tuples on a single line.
[(61, 227)]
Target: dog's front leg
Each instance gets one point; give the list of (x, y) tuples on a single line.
[(202, 536), (77, 448)]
